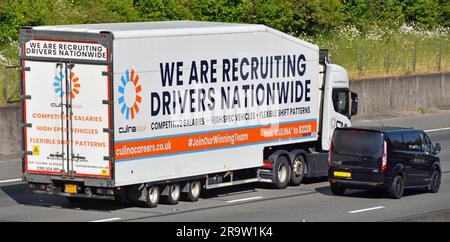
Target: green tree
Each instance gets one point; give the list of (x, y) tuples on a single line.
[(425, 13)]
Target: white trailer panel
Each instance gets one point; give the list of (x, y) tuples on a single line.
[(177, 99), (215, 77)]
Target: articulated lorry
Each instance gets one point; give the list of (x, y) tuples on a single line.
[(143, 111)]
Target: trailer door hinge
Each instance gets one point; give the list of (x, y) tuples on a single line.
[(25, 153), (26, 125), (107, 158), (107, 102), (27, 68), (106, 73), (106, 130), (23, 97)]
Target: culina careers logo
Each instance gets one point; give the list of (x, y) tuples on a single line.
[(129, 97), (58, 84)]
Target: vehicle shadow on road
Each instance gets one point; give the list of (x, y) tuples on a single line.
[(369, 194), (20, 194), (227, 191)]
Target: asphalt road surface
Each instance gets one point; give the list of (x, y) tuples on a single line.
[(311, 201)]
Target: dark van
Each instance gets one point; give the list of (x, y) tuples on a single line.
[(384, 158)]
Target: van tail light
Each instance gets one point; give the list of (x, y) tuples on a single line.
[(330, 151), (384, 157)]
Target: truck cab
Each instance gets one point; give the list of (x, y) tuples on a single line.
[(339, 104)]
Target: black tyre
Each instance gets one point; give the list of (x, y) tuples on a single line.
[(435, 182), (297, 171), (194, 189), (282, 172), (174, 194), (337, 189), (152, 196), (397, 187)]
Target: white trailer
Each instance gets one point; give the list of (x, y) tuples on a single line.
[(138, 110)]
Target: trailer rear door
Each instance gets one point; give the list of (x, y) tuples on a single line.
[(65, 117)]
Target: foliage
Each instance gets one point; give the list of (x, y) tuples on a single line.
[(312, 17), (346, 26)]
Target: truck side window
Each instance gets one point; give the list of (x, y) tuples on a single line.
[(340, 100), (412, 141)]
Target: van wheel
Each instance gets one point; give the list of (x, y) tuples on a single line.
[(337, 190), (173, 197), (152, 196), (281, 173), (397, 187), (435, 182), (297, 171), (193, 191)]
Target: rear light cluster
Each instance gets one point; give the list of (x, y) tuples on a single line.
[(37, 186), (105, 191), (384, 157), (268, 164)]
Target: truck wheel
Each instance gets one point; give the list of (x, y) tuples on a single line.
[(298, 170), (396, 189), (435, 182), (173, 197), (337, 190), (152, 196), (193, 191), (281, 173)]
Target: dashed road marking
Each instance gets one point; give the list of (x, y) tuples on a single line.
[(434, 130), (106, 220), (244, 199), (11, 180), (366, 209)]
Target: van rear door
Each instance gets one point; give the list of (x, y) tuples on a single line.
[(356, 154)]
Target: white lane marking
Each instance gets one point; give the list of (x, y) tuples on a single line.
[(244, 199), (105, 220), (11, 180), (434, 130), (366, 209)]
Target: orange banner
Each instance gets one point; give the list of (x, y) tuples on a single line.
[(214, 140)]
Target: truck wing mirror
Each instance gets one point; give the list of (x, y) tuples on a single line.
[(354, 107), (437, 148)]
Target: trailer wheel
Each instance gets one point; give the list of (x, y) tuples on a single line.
[(193, 191), (173, 197), (152, 196), (282, 172), (298, 170)]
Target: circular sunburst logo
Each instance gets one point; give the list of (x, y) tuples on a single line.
[(129, 97), (58, 84)]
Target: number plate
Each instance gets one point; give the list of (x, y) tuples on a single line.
[(70, 188), (342, 174)]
